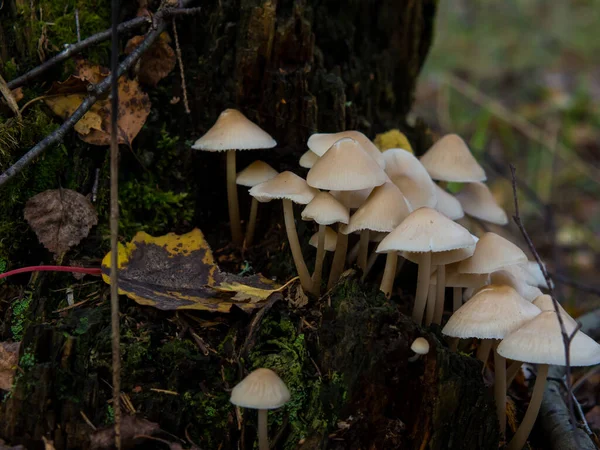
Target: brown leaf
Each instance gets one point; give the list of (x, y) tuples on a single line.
[(61, 218), (157, 62), (9, 359), (90, 73), (18, 94), (131, 426), (65, 105)]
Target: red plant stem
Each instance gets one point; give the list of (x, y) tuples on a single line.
[(88, 270)]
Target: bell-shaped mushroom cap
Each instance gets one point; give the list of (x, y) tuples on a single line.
[(426, 230), (478, 201), (325, 210), (352, 199), (286, 185), (545, 303), (320, 143), (308, 159), (345, 167), (330, 240), (385, 208), (540, 341), (536, 276), (407, 172), (492, 253), (448, 257), (449, 159), (492, 313), (508, 278), (448, 205), (233, 131), (420, 346), (261, 389), (256, 173)]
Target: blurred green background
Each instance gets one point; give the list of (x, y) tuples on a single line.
[(520, 81)]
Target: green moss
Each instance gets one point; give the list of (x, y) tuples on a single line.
[(19, 315)]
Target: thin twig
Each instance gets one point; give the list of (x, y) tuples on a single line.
[(95, 92), (181, 71), (114, 223), (567, 338), (77, 25)]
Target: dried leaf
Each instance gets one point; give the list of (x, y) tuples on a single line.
[(91, 73), (61, 218), (65, 105), (179, 272), (157, 62), (131, 426), (9, 358), (9, 97), (18, 94)]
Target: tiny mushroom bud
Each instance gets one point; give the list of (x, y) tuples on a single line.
[(420, 346), (262, 390)]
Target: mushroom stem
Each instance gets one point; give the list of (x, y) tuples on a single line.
[(389, 273), (512, 371), (251, 222), (500, 389), (316, 278), (339, 257), (290, 228), (520, 438), (456, 298), (422, 288), (353, 253), (453, 343), (263, 430), (232, 200), (363, 250), (440, 295), (370, 263), (483, 352), (430, 311)]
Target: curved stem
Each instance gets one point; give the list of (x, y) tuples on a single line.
[(456, 298), (316, 279), (88, 270), (339, 257), (353, 253), (263, 430), (440, 295), (500, 389), (232, 200), (251, 223), (520, 438), (512, 371), (389, 273), (363, 250), (422, 288), (483, 352), (430, 311), (290, 228), (370, 263)]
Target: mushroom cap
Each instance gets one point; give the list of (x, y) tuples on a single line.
[(444, 258), (540, 341), (426, 230), (545, 303), (352, 199), (448, 205), (407, 172), (325, 210), (508, 278), (477, 201), (463, 280), (385, 208), (320, 143), (536, 276), (346, 167), (286, 185), (330, 240), (308, 159), (256, 173), (492, 313), (420, 346), (233, 131), (261, 389), (449, 159), (492, 253)]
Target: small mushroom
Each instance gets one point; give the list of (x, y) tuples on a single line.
[(478, 201), (261, 390), (308, 159), (420, 346)]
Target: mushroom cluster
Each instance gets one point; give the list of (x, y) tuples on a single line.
[(389, 202)]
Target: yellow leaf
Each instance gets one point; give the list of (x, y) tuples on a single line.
[(393, 138)]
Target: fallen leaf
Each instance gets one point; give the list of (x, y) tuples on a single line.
[(157, 62), (61, 218), (9, 359), (131, 426), (179, 272), (92, 73), (65, 105), (18, 94), (9, 97)]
